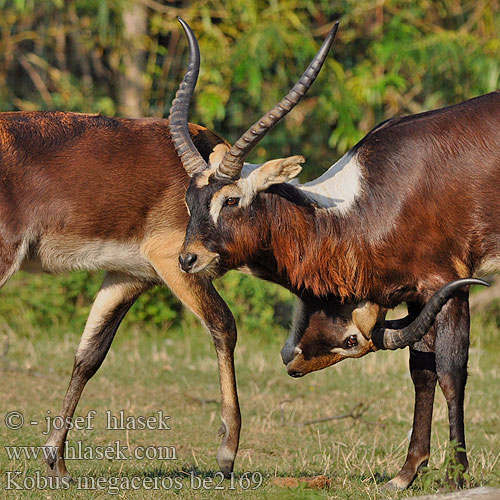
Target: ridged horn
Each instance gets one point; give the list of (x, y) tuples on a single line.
[(385, 338), (232, 163), (191, 159)]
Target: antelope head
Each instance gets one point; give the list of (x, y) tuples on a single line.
[(221, 192), (324, 334)]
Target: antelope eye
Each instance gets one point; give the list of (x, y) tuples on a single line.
[(231, 202), (351, 341)]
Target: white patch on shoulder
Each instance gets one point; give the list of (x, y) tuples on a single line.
[(339, 187)]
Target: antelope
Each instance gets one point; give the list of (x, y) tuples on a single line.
[(327, 332), (410, 208), (81, 191), (89, 192)]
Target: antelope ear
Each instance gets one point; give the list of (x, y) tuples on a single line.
[(276, 172), (217, 154), (365, 317)]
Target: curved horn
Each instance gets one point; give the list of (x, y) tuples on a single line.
[(232, 163), (191, 159), (384, 338)]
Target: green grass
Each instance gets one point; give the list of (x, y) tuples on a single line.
[(175, 371)]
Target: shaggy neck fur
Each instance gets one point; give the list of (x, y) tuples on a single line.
[(329, 261)]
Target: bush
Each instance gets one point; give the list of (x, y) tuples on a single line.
[(31, 303)]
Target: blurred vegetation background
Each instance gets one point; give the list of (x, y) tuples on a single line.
[(127, 57)]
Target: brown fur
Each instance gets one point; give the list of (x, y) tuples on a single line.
[(316, 261), (427, 213), (319, 263), (90, 192)]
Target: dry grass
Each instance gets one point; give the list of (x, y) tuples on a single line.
[(149, 371)]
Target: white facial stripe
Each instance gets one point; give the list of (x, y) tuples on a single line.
[(216, 205), (218, 199), (349, 353), (255, 178), (244, 188), (339, 186)]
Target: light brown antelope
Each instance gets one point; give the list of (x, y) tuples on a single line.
[(90, 192), (83, 191), (411, 207)]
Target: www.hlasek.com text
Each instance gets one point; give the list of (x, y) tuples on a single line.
[(78, 451)]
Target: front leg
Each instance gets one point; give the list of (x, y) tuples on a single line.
[(423, 374), (452, 352), (199, 295)]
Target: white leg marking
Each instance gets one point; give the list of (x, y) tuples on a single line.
[(114, 290)]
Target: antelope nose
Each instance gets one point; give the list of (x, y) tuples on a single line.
[(295, 373), (187, 261)]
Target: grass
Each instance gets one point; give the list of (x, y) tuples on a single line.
[(175, 371)]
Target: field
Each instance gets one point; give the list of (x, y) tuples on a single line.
[(149, 371)]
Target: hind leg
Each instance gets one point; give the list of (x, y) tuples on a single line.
[(117, 294), (423, 374), (199, 295)]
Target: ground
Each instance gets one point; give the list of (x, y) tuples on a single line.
[(174, 372)]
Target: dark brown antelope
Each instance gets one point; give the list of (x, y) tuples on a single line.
[(325, 333), (410, 208)]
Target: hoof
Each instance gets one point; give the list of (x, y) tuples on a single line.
[(56, 481), (226, 469), (225, 460), (51, 456), (58, 471), (395, 484)]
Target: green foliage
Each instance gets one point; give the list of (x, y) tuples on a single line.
[(34, 303), (390, 58), (485, 326), (449, 471), (39, 302), (257, 306)]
